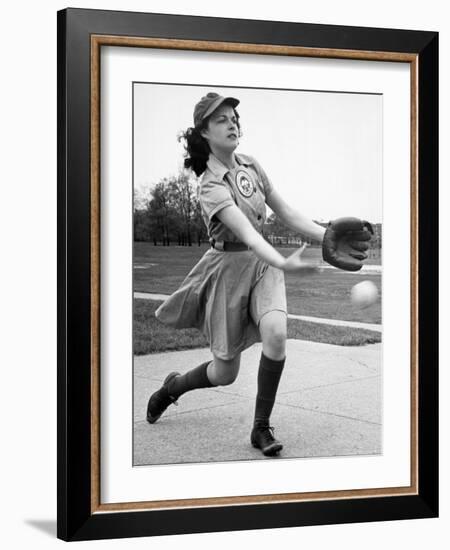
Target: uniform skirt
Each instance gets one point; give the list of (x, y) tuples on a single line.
[(225, 296)]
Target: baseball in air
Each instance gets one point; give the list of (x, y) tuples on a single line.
[(364, 294)]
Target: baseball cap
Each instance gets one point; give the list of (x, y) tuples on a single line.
[(208, 104)]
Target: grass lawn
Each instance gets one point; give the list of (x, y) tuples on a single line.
[(152, 336), (161, 269)]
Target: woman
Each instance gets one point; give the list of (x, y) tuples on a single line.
[(236, 293)]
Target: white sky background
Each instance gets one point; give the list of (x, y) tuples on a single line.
[(322, 150)]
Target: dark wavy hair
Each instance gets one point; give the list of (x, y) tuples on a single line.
[(197, 147)]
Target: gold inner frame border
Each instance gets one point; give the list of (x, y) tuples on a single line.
[(97, 41)]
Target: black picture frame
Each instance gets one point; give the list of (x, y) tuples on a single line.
[(79, 517)]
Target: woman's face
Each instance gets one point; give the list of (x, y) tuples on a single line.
[(222, 132)]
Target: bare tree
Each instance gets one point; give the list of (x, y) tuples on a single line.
[(182, 197), (160, 212)]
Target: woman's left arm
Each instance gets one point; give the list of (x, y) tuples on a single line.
[(293, 218)]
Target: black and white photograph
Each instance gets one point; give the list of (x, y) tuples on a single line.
[(245, 306), (257, 273), (224, 306)]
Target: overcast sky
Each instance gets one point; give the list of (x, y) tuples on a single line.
[(322, 150)]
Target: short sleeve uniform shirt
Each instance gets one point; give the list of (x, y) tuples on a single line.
[(247, 186)]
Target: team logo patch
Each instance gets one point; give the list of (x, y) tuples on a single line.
[(244, 184)]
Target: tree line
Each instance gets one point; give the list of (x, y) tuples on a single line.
[(170, 214)]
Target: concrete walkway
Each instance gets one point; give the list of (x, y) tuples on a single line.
[(328, 404), (319, 320)]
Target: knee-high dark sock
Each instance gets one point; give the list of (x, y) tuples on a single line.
[(191, 380), (269, 375)]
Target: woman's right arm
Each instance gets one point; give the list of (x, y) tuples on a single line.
[(239, 224)]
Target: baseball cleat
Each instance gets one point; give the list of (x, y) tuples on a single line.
[(161, 399), (262, 437)]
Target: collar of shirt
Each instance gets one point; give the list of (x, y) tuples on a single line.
[(219, 169)]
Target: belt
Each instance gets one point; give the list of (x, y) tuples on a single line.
[(228, 246)]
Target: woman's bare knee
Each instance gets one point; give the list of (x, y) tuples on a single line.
[(275, 346), (273, 332), (222, 372)]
